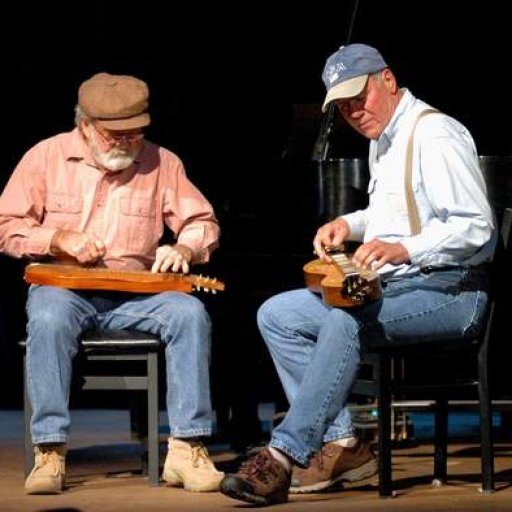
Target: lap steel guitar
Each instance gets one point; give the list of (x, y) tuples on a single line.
[(92, 278), (340, 283)]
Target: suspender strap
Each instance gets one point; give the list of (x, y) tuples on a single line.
[(412, 209)]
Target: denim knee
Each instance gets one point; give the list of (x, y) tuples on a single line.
[(186, 314)]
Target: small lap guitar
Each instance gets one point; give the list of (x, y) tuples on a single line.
[(340, 283), (76, 277)]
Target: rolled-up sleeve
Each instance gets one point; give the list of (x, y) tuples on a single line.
[(22, 207), (189, 214)]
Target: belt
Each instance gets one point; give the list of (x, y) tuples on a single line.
[(428, 269), (431, 268)]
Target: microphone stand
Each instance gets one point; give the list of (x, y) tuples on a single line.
[(321, 148), (320, 154)]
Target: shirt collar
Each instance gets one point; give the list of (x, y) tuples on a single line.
[(403, 108)]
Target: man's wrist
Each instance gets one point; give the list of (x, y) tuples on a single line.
[(189, 253), (55, 243)]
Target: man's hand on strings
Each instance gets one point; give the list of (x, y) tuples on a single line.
[(85, 248), (376, 253), (172, 258), (329, 236)]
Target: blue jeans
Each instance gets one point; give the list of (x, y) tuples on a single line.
[(56, 319), (316, 348)]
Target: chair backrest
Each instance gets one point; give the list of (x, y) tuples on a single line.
[(499, 344), (443, 384), (421, 368), (459, 360), (503, 256), (506, 227)]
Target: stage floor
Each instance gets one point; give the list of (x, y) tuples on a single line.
[(104, 475)]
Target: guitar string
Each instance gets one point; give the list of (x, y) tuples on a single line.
[(345, 264)]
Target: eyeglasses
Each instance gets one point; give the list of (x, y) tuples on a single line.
[(356, 103), (112, 139)]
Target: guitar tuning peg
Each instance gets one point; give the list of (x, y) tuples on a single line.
[(214, 291)]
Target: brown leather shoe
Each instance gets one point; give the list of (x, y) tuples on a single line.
[(261, 480), (333, 464)]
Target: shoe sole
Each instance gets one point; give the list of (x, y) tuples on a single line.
[(254, 499), (41, 488), (174, 480), (43, 492), (352, 475)]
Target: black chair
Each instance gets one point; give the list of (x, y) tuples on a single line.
[(444, 384), (120, 361)]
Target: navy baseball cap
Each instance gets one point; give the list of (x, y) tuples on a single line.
[(346, 71)]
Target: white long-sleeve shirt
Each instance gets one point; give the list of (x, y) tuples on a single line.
[(457, 222)]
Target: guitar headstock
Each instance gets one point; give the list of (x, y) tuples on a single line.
[(356, 287), (206, 284)]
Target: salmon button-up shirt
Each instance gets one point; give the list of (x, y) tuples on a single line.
[(57, 185)]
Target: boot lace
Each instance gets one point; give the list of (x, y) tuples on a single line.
[(261, 467), (318, 459), (200, 455), (49, 459)]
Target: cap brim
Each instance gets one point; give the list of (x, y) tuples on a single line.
[(128, 123), (347, 89)]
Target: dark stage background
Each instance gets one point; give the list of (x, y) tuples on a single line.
[(236, 94)]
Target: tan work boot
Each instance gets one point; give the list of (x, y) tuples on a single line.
[(333, 464), (49, 471), (188, 465)]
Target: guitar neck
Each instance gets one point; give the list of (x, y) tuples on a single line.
[(345, 264)]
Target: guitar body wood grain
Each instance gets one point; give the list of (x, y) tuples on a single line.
[(76, 277), (337, 289)]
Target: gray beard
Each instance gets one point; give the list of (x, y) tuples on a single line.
[(113, 160)]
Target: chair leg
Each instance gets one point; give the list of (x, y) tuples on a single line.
[(486, 434), (440, 441), (138, 416), (28, 452), (153, 423), (384, 425), (139, 423)]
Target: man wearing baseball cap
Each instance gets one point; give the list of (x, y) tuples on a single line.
[(433, 274), (346, 71), (102, 195)]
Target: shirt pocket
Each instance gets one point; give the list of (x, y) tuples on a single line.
[(63, 211), (138, 223), (392, 197), (389, 206)]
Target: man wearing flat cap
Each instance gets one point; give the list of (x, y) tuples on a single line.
[(101, 195), (433, 273)]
